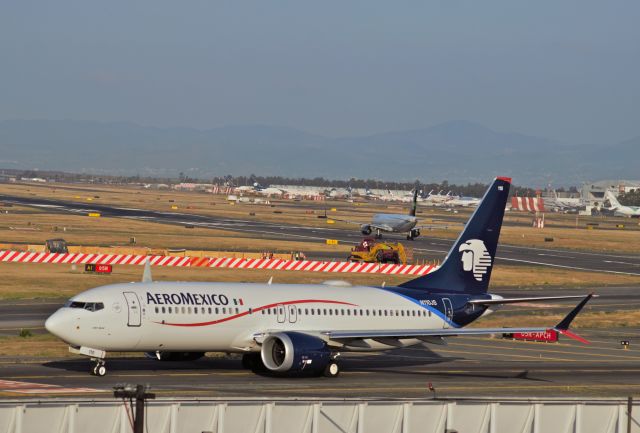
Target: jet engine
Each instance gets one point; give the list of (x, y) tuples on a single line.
[(294, 352), (175, 356), (365, 229)]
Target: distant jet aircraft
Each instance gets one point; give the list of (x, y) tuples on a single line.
[(439, 199), (617, 208), (463, 201), (259, 189), (394, 223), (297, 329), (563, 204)]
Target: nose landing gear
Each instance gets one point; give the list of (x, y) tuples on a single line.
[(99, 368)]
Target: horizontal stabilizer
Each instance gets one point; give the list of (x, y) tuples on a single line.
[(500, 301)]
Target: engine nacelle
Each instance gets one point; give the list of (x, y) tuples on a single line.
[(294, 352), (365, 229), (175, 356)]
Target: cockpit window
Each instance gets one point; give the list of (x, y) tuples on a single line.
[(89, 306)]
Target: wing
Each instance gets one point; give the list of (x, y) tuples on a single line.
[(381, 227), (500, 301), (562, 327), (432, 227)]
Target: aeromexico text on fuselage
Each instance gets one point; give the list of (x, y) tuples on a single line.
[(461, 313), (182, 298)]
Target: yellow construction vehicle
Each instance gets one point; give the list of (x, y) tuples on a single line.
[(372, 250)]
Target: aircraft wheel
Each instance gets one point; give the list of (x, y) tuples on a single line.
[(94, 370), (332, 370), (101, 370)]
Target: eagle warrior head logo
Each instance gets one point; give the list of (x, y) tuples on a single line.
[(475, 258)]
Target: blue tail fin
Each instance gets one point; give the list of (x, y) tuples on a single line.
[(467, 267)]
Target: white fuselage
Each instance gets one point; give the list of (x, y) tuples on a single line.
[(396, 222), (171, 316)]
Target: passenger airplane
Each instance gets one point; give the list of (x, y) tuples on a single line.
[(617, 208), (298, 328), (393, 223)]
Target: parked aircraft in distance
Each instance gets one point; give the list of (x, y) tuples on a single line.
[(438, 199), (563, 204), (461, 201), (394, 223), (298, 328), (619, 209)]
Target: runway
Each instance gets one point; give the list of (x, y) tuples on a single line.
[(425, 246), (468, 366)]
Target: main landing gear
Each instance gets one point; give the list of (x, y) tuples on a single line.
[(331, 370), (99, 368)]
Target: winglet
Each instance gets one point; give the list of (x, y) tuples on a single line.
[(146, 274), (563, 326)]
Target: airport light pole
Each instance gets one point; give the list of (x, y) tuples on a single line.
[(139, 392)]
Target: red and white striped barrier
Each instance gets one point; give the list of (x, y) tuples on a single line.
[(220, 262), (529, 204)]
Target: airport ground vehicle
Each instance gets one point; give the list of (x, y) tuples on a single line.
[(56, 246), (372, 250)]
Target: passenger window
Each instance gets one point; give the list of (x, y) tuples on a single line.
[(385, 312), (325, 311), (224, 310), (163, 311), (189, 310), (195, 310), (217, 310), (402, 313), (342, 312), (237, 310), (330, 312), (374, 312), (429, 313), (156, 310), (306, 311), (348, 312)]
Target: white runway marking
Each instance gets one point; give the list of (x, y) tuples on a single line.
[(40, 388)]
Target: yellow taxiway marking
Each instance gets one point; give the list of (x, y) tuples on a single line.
[(567, 387), (532, 349), (506, 341), (540, 358), (155, 374)]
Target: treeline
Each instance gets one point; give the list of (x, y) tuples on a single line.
[(631, 198)]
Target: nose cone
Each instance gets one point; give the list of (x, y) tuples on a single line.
[(58, 324)]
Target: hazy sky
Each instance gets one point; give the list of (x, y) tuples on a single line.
[(562, 69)]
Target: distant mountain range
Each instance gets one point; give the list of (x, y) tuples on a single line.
[(457, 151)]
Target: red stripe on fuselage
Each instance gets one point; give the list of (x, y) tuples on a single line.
[(253, 310)]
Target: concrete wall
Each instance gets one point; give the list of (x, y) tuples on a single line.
[(182, 416)]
